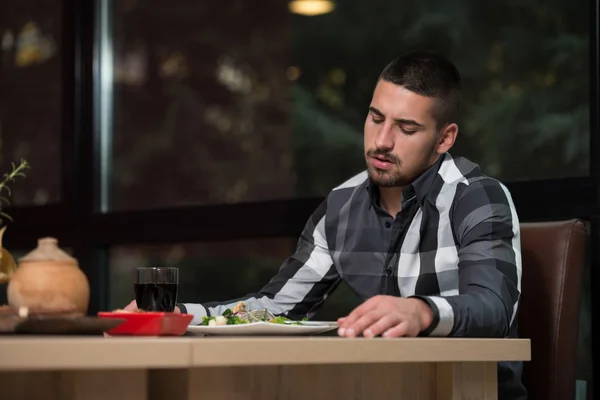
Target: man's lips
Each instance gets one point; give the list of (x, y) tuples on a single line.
[(382, 163)]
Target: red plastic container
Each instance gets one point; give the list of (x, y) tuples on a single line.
[(149, 323)]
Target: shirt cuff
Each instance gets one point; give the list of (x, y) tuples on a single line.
[(443, 316), (197, 310)]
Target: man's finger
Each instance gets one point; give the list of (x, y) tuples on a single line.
[(365, 321), (399, 330), (131, 306), (382, 325)]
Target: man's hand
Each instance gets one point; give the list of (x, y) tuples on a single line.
[(133, 307), (387, 316)]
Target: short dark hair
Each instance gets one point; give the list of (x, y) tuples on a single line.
[(431, 75)]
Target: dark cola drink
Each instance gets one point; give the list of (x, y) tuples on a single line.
[(159, 297), (156, 288)]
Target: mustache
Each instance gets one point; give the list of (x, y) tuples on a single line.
[(384, 155)]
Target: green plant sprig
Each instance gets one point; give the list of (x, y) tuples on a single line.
[(7, 178)]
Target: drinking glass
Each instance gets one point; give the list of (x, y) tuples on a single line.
[(156, 288)]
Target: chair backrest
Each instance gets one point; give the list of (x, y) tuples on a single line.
[(553, 256)]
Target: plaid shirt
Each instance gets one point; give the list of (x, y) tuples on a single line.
[(455, 245)]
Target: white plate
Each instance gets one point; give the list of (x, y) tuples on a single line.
[(265, 328)]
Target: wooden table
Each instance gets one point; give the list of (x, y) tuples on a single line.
[(77, 368)]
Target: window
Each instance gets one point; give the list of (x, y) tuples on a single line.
[(30, 98), (525, 70), (200, 114), (273, 106), (213, 271)]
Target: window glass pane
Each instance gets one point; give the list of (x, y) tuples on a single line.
[(30, 97), (273, 106), (525, 80), (201, 112), (214, 271)]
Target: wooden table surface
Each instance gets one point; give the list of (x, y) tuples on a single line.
[(60, 353), (252, 368)]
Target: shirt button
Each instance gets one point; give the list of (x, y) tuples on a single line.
[(388, 271), (388, 224)]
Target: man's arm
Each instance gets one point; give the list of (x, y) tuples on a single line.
[(301, 285), (486, 228)]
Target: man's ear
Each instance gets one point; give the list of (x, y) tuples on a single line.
[(446, 138)]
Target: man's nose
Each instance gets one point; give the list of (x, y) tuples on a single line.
[(385, 139)]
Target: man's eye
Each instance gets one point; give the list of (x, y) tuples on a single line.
[(377, 121), (406, 132)]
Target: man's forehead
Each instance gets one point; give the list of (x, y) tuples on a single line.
[(397, 102)]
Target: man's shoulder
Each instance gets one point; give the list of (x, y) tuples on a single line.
[(475, 196), (463, 175)]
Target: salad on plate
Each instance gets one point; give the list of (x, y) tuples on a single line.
[(240, 315)]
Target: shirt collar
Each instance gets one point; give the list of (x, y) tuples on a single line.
[(419, 188)]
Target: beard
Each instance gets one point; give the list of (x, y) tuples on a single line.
[(386, 178), (395, 177)]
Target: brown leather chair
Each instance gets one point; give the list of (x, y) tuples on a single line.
[(553, 256)]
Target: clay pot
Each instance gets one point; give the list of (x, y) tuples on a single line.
[(49, 278)]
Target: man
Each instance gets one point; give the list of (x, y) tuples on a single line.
[(430, 243)]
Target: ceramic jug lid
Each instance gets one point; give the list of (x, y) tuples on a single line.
[(48, 250)]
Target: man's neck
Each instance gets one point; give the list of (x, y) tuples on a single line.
[(390, 199)]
